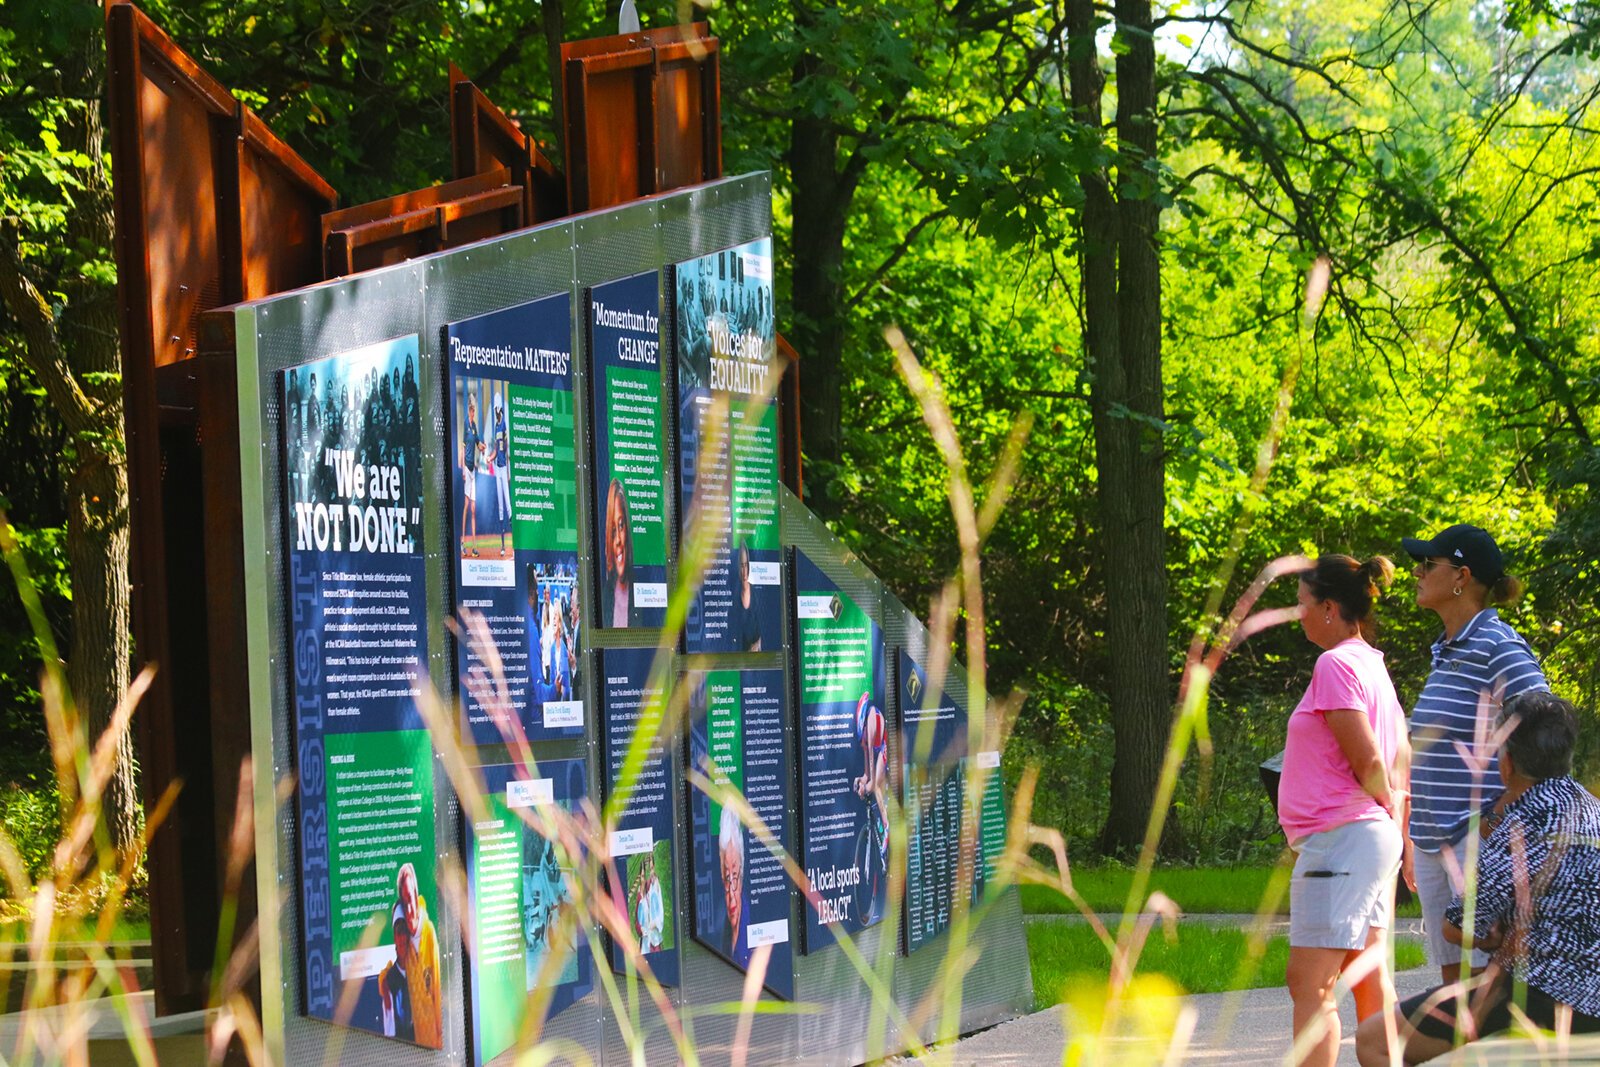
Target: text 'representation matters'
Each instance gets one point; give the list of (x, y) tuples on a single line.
[(639, 795), (630, 471), (728, 446), (844, 758), (514, 519), (742, 893), (358, 632), (524, 932)]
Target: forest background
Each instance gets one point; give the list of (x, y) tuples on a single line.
[(1097, 217)]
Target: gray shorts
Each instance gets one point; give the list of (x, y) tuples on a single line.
[(1436, 888), (1343, 884)]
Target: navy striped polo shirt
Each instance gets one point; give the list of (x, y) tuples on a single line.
[(1486, 657)]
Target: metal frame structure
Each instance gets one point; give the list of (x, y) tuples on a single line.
[(421, 296)]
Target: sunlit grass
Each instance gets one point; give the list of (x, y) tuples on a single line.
[(123, 929), (1196, 890), (1202, 959)]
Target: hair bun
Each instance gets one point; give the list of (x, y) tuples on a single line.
[(1378, 570)]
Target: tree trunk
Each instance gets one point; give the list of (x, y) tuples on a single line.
[(1122, 350), (1133, 495), (71, 346), (822, 196), (97, 669)]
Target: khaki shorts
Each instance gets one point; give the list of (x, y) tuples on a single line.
[(1437, 886), (1343, 884)]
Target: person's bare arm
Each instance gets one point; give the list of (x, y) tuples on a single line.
[(1360, 747), (1400, 787)]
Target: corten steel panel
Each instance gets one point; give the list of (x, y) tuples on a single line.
[(210, 208), (790, 463), (482, 138), (643, 114), (612, 165), (281, 204), (155, 92), (397, 228), (422, 297), (224, 582), (680, 126)]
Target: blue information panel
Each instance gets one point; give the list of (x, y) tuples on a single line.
[(641, 842), (728, 446), (742, 893), (933, 754), (526, 937), (630, 469), (844, 738), (514, 519), (358, 632)]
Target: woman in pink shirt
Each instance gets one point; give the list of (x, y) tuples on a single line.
[(1341, 801)]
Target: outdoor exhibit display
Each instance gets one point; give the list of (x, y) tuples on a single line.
[(728, 446), (461, 473), (514, 516), (742, 893), (640, 790), (844, 758), (936, 768), (630, 470), (527, 944), (351, 441)]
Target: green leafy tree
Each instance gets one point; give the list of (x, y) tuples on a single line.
[(57, 286)]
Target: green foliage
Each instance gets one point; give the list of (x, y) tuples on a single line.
[(31, 819)]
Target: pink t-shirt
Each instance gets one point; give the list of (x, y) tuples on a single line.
[(1318, 790)]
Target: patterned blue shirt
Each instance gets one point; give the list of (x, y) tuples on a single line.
[(1486, 657), (1546, 850)]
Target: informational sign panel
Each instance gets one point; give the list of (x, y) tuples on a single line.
[(933, 750), (728, 445), (514, 518), (630, 470), (641, 843), (527, 941), (992, 831), (844, 758), (742, 893), (358, 636)]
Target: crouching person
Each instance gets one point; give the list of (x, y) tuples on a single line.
[(1537, 908)]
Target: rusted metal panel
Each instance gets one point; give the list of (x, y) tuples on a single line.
[(789, 465), (643, 114), (403, 227), (143, 246), (211, 208), (482, 138), (281, 201)]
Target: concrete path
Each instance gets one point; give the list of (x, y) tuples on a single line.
[(1250, 1028), (1242, 1029)]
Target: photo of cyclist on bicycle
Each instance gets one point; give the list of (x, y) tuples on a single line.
[(872, 735)]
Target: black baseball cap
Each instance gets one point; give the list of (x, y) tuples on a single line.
[(1465, 546)]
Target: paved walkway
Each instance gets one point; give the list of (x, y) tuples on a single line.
[(1242, 1029), (1249, 1028)]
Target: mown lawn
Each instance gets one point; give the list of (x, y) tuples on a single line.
[(124, 930), (1197, 890), (1203, 958)]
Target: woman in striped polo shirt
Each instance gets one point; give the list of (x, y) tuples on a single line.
[(1478, 663)]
